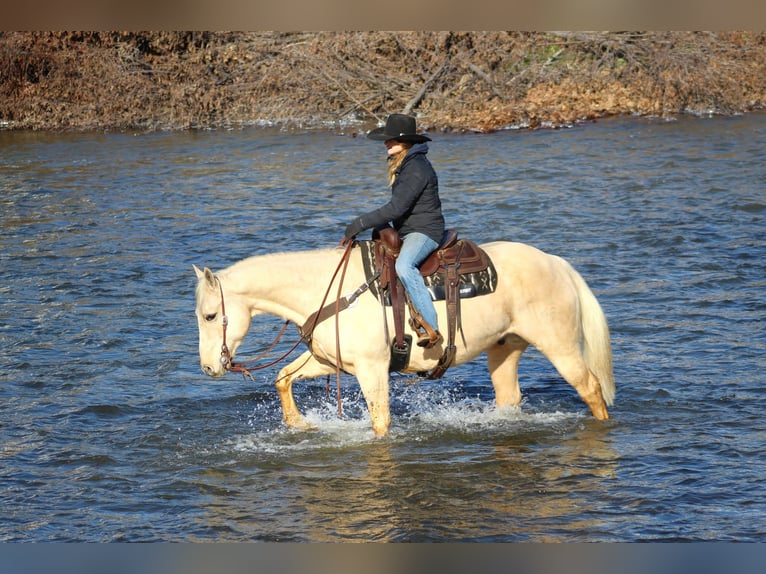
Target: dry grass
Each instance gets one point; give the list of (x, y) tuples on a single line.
[(452, 80)]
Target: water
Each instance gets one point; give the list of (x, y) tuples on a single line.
[(111, 433)]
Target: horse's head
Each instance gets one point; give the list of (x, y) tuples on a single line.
[(223, 323)]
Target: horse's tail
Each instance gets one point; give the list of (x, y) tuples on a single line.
[(597, 346)]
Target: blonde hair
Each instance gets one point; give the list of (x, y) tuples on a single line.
[(394, 161)]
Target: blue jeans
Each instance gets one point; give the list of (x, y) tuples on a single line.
[(415, 249)]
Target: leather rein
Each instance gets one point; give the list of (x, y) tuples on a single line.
[(246, 367), (306, 329)]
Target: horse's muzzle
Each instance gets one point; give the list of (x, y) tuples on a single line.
[(212, 372)]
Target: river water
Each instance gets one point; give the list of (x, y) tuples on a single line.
[(110, 432)]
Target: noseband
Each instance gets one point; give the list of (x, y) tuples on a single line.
[(306, 330)]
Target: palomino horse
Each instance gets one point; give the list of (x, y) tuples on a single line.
[(540, 300)]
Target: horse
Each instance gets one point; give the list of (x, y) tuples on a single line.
[(540, 300)]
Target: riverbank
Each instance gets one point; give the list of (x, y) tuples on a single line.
[(453, 81)]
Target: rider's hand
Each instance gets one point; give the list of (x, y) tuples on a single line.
[(353, 228)]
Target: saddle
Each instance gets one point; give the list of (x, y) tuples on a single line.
[(458, 268)]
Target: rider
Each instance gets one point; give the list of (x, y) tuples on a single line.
[(414, 210)]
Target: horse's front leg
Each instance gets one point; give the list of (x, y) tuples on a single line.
[(373, 380), (304, 367)]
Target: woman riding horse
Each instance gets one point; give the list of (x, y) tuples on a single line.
[(415, 212)]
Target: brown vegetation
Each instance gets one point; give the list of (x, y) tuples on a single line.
[(452, 80)]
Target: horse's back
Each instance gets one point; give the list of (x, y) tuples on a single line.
[(512, 247), (511, 257)]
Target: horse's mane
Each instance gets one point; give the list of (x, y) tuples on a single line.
[(292, 258), (285, 263)]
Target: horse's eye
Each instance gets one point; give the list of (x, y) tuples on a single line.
[(211, 317)]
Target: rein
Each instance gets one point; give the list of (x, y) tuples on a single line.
[(340, 304), (339, 363), (246, 367), (306, 330)]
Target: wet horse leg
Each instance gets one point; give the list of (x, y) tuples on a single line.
[(503, 359), (304, 367), (552, 326), (572, 367), (373, 380)]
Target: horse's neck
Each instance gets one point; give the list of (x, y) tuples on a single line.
[(290, 285)]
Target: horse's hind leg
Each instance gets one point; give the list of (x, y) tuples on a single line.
[(572, 367), (503, 359), (304, 367)]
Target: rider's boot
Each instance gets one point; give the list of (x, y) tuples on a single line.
[(427, 335)]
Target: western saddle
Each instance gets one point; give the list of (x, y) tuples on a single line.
[(453, 258)]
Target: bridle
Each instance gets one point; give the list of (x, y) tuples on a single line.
[(306, 330), (246, 367)]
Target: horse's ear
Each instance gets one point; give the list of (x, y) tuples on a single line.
[(211, 280), (208, 275)]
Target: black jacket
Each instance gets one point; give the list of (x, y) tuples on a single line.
[(414, 204)]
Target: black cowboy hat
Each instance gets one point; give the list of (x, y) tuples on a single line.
[(399, 127)]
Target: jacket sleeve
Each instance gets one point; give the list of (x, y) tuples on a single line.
[(354, 228)]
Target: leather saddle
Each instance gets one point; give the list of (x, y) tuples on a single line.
[(447, 268)]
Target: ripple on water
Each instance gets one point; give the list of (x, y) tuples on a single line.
[(111, 433)]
